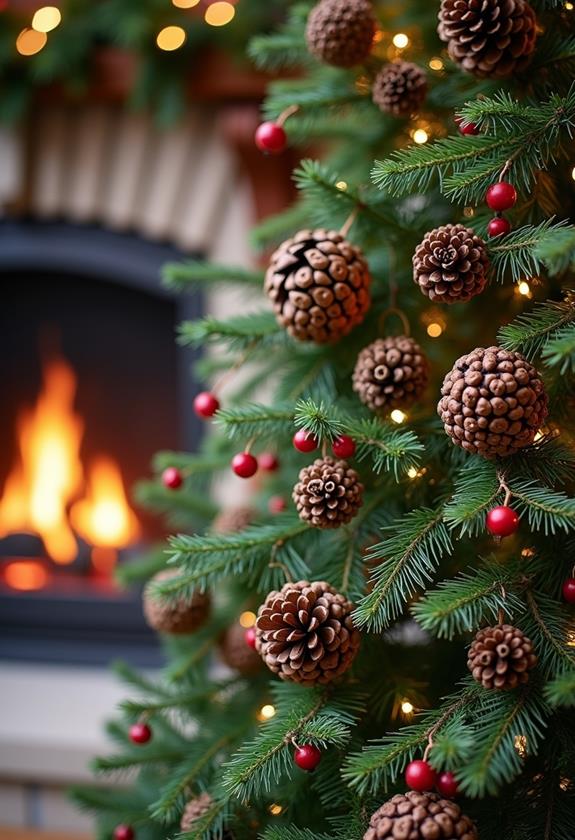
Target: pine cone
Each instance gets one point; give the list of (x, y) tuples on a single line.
[(501, 657), (420, 816), (390, 373), (450, 265), (400, 88), (318, 283), (305, 633), (236, 652), (232, 520), (489, 38), (174, 615), (340, 32), (328, 493), (493, 402), (195, 810)]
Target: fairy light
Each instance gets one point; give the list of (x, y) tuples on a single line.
[(171, 38), (185, 4), (524, 289), (520, 744), (267, 712), (420, 136), (469, 212), (569, 7), (46, 19), (436, 64), (400, 40), (412, 472), (30, 42), (526, 553), (407, 707), (342, 185), (248, 619), (219, 14), (571, 638), (398, 416), (538, 436), (275, 809), (573, 173), (434, 330)]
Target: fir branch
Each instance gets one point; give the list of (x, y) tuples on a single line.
[(518, 255), (546, 510), (255, 420), (556, 250), (547, 626), (530, 332), (561, 690), (318, 420), (389, 448), (476, 489), (190, 275), (290, 832), (286, 46), (560, 350), (239, 332)]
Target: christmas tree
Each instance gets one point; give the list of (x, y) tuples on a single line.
[(394, 600)]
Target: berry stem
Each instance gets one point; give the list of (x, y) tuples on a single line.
[(504, 486), (347, 225), (506, 168), (286, 114)]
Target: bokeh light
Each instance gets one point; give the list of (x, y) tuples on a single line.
[(171, 38), (30, 42), (46, 19), (218, 14)]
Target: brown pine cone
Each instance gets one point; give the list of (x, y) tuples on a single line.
[(420, 816), (195, 810), (174, 615), (501, 657), (390, 373), (400, 88), (489, 38), (450, 264), (318, 283), (340, 32), (493, 402), (328, 493), (236, 652), (232, 520), (305, 633)]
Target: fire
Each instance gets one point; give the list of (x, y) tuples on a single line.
[(48, 477)]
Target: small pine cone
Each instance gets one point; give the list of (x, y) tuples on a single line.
[(174, 615), (195, 810), (493, 402), (450, 264), (420, 816), (318, 284), (390, 373), (232, 520), (501, 657), (400, 88), (305, 633), (236, 652), (340, 32), (489, 38), (328, 493)]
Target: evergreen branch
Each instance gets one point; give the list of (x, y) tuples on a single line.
[(290, 832), (518, 255), (255, 420), (556, 250), (286, 46), (560, 350), (561, 690), (240, 332), (188, 276), (546, 510), (389, 448), (412, 552), (547, 626), (210, 824), (530, 332), (318, 420), (476, 489)]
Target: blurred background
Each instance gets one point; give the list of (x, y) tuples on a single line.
[(126, 142)]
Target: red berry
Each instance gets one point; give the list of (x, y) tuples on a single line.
[(140, 733), (305, 441), (268, 462), (271, 138), (498, 227), (447, 785), (244, 464), (250, 637), (343, 446), (206, 404), (124, 832), (172, 478), (569, 590), (501, 196), (277, 504), (466, 128), (420, 775), (502, 521), (307, 757)]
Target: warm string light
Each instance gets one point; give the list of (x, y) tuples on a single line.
[(171, 38), (401, 41), (46, 19), (569, 6), (524, 289), (30, 42), (185, 4), (398, 416), (248, 619), (434, 330), (267, 712), (275, 809), (469, 212), (219, 13), (407, 707), (414, 473), (420, 136), (341, 185), (436, 64), (573, 173)]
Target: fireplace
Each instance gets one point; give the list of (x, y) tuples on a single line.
[(93, 385)]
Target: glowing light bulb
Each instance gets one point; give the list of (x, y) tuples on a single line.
[(420, 136), (412, 472), (267, 712), (569, 7), (275, 809), (436, 64), (218, 14), (248, 619), (30, 42), (434, 330), (342, 185), (520, 744), (171, 38), (46, 19), (523, 288), (398, 416), (407, 707), (400, 40), (469, 212), (573, 173), (185, 4)]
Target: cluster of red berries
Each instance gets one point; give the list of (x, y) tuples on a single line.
[(499, 197), (421, 776), (342, 447)]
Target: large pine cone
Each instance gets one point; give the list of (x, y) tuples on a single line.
[(420, 816), (195, 810), (390, 373), (501, 657), (493, 402), (318, 283), (328, 493), (236, 652), (489, 38), (174, 615), (340, 32), (232, 520), (450, 264), (305, 633), (400, 88)]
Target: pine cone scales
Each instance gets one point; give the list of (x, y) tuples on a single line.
[(450, 264), (328, 493), (236, 652), (400, 88), (390, 373), (174, 615), (493, 402), (501, 657), (420, 816), (340, 32), (318, 284), (195, 810), (305, 633), (489, 38)]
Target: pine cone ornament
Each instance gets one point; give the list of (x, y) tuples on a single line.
[(420, 816), (489, 38), (450, 264), (400, 88), (328, 493), (318, 283), (493, 402), (305, 633), (501, 657), (174, 615), (340, 32), (390, 373), (236, 652), (232, 520), (195, 810)]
